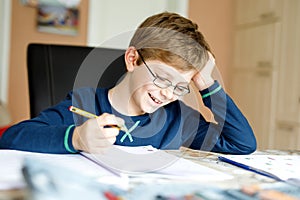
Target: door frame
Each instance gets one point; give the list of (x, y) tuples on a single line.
[(5, 21)]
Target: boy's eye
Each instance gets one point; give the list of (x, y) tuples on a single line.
[(182, 88)]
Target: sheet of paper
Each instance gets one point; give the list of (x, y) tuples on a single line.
[(110, 168), (146, 161), (283, 166), (12, 162), (10, 170)]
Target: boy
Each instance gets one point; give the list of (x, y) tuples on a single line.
[(166, 53)]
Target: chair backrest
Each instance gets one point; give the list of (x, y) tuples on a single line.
[(54, 70)]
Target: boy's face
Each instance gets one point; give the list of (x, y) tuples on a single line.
[(146, 96)]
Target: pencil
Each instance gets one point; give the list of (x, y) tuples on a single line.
[(82, 112), (90, 115)]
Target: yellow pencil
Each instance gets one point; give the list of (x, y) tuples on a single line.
[(82, 112), (90, 115)]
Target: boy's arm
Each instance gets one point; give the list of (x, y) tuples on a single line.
[(232, 134), (45, 133)]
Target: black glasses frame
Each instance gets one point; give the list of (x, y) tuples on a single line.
[(178, 90)]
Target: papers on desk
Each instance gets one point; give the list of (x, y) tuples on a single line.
[(148, 162), (12, 161), (10, 170), (113, 167), (280, 167)]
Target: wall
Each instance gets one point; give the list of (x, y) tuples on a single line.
[(112, 26), (216, 20), (23, 32), (213, 17)]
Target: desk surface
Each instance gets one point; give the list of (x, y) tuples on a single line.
[(241, 177)]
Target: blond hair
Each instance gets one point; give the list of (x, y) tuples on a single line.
[(172, 39)]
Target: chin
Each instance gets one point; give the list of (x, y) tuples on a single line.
[(150, 109)]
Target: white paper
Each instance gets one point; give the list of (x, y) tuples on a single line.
[(148, 162), (11, 163), (283, 166), (113, 167)]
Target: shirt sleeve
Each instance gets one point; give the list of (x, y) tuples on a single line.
[(46, 132), (232, 133)]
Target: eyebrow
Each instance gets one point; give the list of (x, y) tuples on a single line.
[(164, 73)]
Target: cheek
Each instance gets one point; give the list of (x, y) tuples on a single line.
[(141, 92), (146, 88), (140, 74), (140, 82)]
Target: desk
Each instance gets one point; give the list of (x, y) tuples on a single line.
[(16, 194), (241, 177)]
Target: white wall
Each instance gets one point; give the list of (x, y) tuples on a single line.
[(5, 12), (109, 25), (112, 22)]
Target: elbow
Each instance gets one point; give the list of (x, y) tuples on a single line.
[(252, 143), (243, 149), (249, 146), (246, 145), (253, 146)]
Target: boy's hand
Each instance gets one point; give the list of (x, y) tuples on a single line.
[(203, 78), (92, 137)]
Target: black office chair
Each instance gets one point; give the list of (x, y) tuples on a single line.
[(54, 70)]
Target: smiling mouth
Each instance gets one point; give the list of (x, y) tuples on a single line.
[(154, 99)]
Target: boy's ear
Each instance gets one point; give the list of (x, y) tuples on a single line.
[(131, 56)]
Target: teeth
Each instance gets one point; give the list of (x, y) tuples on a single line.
[(154, 99)]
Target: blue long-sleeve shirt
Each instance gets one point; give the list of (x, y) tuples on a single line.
[(170, 127)]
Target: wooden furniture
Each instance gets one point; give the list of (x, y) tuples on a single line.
[(265, 72)]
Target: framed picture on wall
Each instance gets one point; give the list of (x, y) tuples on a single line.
[(57, 19)]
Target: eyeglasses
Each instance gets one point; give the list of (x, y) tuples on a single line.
[(163, 83)]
